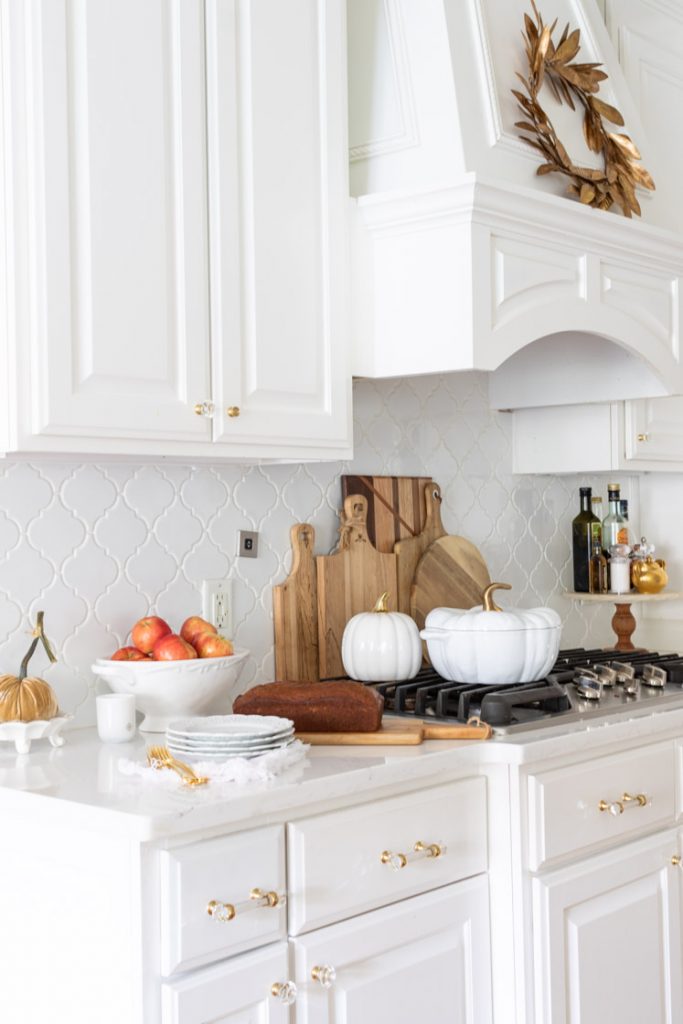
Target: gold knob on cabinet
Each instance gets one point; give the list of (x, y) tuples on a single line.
[(284, 991), (325, 975), (267, 899), (394, 860), (221, 911), (204, 409), (676, 860), (643, 437), (233, 410), (429, 849)]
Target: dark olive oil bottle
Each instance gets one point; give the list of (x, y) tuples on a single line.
[(585, 526)]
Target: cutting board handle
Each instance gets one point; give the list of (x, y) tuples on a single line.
[(354, 522), (433, 500)]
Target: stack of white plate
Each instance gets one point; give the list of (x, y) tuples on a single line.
[(222, 736)]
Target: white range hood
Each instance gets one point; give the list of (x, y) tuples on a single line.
[(464, 258)]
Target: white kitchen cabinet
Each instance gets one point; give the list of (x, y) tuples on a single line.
[(608, 938), (243, 990), (645, 434), (175, 188), (424, 958)]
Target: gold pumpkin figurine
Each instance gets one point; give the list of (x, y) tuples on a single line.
[(650, 575), (26, 698)]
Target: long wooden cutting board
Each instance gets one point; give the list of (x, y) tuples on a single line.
[(295, 612), (450, 574), (394, 732), (410, 551), (395, 506), (350, 581)]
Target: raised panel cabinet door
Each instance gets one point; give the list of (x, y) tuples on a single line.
[(653, 431), (278, 202), (648, 37), (247, 989), (422, 959), (608, 938), (110, 261)]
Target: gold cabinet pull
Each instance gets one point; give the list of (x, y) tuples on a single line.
[(644, 437), (617, 807), (677, 860), (220, 911), (325, 975), (204, 409), (419, 852), (233, 411), (284, 991)]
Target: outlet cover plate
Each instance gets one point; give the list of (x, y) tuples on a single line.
[(217, 605)]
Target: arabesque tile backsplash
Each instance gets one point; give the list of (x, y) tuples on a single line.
[(99, 545)]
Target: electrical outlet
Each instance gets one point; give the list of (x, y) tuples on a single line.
[(217, 605), (247, 544)]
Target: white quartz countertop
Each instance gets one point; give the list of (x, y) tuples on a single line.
[(81, 784)]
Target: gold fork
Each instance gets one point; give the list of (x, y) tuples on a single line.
[(161, 757)]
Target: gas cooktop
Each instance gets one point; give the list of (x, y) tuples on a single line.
[(583, 684)]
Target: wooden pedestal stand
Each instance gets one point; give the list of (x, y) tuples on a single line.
[(623, 620)]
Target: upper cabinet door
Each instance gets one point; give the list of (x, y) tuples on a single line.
[(109, 205), (278, 169)]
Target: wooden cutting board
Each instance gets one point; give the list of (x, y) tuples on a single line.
[(450, 574), (396, 506), (350, 581), (410, 551), (394, 732), (295, 612)]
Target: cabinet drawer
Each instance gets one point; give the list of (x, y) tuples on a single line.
[(224, 870), (336, 864), (240, 990), (564, 804)]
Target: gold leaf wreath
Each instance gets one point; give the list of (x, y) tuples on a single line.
[(616, 183)]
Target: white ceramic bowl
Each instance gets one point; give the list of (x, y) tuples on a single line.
[(166, 690)]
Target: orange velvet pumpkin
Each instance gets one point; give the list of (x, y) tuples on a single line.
[(25, 700)]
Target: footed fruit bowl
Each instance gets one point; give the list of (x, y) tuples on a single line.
[(165, 690)]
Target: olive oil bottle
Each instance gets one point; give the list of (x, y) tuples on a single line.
[(585, 527)]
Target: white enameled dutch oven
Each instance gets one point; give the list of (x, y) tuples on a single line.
[(488, 645)]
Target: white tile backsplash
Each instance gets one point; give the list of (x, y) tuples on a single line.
[(98, 546)]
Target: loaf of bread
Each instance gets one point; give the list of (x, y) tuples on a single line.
[(316, 707)]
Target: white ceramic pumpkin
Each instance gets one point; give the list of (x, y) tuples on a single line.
[(488, 645), (381, 645)]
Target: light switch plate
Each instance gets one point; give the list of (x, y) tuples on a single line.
[(247, 546)]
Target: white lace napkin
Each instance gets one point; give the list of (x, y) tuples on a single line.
[(235, 769)]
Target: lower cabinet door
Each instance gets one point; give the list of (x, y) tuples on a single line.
[(608, 938), (423, 959), (250, 989)]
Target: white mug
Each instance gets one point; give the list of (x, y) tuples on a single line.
[(115, 717)]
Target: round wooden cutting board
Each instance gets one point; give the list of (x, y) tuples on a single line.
[(450, 574)]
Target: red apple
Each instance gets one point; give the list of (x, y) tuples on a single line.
[(193, 626), (173, 648), (129, 654), (211, 645), (147, 631)]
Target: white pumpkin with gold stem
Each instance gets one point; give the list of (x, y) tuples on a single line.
[(381, 645)]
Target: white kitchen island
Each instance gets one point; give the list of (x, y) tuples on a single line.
[(527, 904)]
